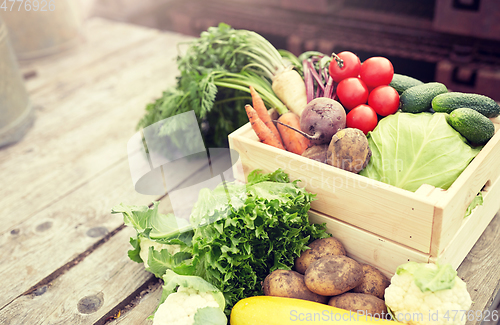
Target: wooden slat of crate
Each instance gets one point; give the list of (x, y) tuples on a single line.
[(483, 172), (387, 211), (367, 247), (471, 228)]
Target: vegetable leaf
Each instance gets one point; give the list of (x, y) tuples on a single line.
[(477, 201), (150, 223), (236, 247), (409, 150), (214, 77), (172, 281), (430, 277), (160, 262), (209, 316), (133, 254), (239, 234)]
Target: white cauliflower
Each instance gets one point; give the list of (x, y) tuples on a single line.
[(428, 294), (146, 243), (179, 308), (190, 300)]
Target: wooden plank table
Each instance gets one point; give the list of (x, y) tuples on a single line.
[(63, 256)]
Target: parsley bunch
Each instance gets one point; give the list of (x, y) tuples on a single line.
[(215, 73)]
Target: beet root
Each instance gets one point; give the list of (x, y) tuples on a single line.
[(321, 119)]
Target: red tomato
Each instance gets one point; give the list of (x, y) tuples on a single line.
[(350, 68), (384, 100), (376, 71), (352, 92), (362, 117)]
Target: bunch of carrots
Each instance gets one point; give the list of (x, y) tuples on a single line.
[(280, 137)]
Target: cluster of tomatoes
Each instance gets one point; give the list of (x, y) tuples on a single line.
[(363, 89)]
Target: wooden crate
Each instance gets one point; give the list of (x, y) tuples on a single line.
[(379, 223)]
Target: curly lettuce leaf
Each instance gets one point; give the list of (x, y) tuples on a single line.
[(162, 261), (238, 246), (409, 150), (239, 234), (154, 232), (150, 223)]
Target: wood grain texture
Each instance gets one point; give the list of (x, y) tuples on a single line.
[(70, 227), (145, 306), (86, 292), (367, 247), (472, 227), (480, 269), (482, 172), (53, 237), (68, 172), (83, 124)]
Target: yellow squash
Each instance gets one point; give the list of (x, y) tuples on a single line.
[(267, 310)]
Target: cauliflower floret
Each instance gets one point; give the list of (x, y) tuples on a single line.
[(179, 308), (412, 306), (146, 243)]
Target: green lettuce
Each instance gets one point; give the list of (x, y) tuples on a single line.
[(477, 201), (237, 234), (264, 227), (409, 150)]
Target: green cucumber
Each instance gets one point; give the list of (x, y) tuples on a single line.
[(418, 99), (472, 125), (448, 102), (401, 82)]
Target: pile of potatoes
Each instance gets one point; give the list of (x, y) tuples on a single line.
[(326, 275)]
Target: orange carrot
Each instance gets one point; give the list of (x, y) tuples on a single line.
[(265, 135), (260, 108), (292, 140)]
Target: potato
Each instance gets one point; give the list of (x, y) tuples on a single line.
[(318, 249), (317, 152), (333, 275), (349, 150), (289, 284), (361, 303), (374, 282)]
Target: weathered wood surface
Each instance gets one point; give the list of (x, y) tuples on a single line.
[(480, 270), (62, 254), (62, 179)]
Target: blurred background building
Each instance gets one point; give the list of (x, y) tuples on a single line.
[(456, 42)]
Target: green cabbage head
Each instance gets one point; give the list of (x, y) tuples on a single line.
[(409, 150)]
